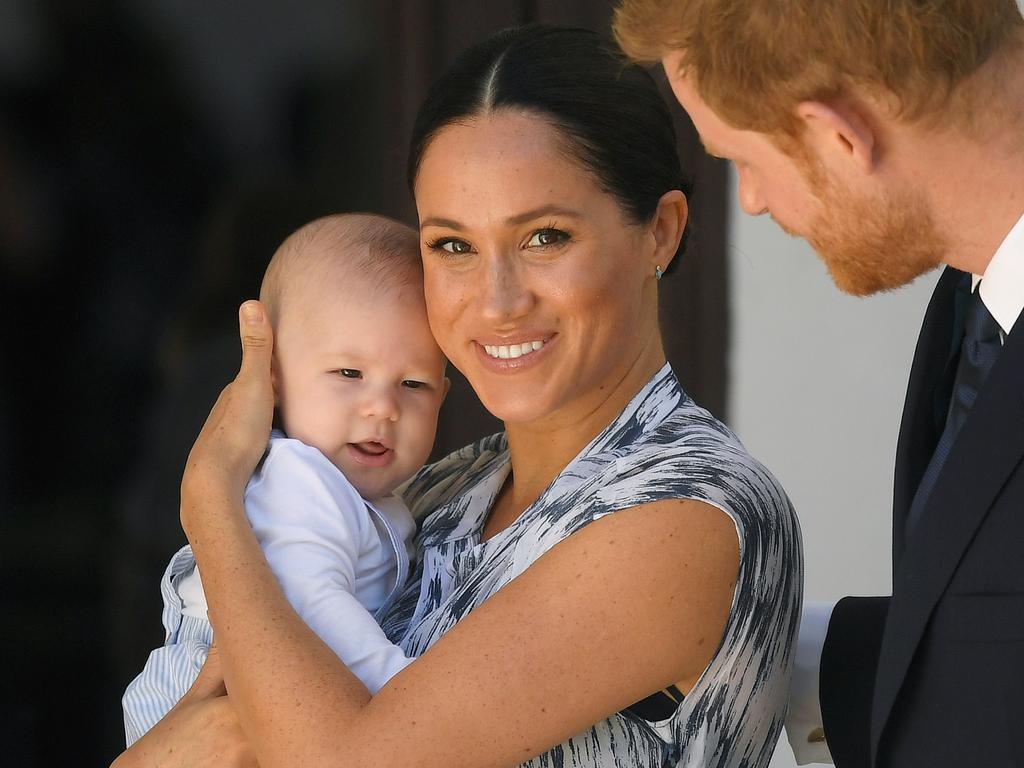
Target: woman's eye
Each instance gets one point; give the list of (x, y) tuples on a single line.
[(349, 373), (544, 238), (451, 245)]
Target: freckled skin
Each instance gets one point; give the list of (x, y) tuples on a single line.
[(593, 292)]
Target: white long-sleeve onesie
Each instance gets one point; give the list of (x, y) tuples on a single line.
[(339, 558)]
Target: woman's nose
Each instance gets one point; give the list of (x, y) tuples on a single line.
[(380, 403), (504, 295)]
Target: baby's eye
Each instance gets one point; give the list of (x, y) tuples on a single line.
[(544, 238), (452, 245), (413, 384), (349, 373)]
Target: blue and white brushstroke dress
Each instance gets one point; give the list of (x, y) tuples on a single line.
[(662, 446)]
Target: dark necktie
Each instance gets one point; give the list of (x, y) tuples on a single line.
[(981, 346)]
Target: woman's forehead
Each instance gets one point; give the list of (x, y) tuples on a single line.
[(517, 159), (500, 134)]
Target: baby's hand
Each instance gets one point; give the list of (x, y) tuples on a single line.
[(235, 434)]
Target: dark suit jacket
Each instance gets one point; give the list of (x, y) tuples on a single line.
[(934, 675)]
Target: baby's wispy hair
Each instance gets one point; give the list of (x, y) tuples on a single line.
[(359, 251)]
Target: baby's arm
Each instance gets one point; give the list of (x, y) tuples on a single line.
[(312, 525)]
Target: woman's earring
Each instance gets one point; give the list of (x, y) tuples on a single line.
[(657, 272)]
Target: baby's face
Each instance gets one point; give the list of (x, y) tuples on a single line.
[(360, 378)]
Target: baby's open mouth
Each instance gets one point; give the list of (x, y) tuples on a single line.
[(371, 448), (371, 453)]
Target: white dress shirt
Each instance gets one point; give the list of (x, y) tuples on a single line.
[(1002, 292)]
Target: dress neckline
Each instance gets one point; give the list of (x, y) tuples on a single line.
[(655, 401)]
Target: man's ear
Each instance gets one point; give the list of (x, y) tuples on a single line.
[(667, 228), (839, 132)]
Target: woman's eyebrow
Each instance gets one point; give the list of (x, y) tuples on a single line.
[(436, 221), (519, 218), (544, 210)]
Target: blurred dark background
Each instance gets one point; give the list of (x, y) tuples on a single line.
[(153, 153)]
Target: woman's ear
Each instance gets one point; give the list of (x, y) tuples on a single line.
[(667, 228), (839, 134)]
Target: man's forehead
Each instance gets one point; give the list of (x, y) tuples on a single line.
[(672, 61), (685, 90), (682, 83)]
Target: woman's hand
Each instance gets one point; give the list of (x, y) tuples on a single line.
[(235, 433), (202, 731)]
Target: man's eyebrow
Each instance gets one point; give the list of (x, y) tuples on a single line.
[(712, 150), (519, 218)]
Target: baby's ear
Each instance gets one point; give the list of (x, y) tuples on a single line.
[(445, 388)]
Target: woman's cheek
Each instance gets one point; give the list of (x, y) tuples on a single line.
[(446, 302)]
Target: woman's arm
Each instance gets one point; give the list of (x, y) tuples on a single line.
[(628, 605), (624, 607), (201, 731)]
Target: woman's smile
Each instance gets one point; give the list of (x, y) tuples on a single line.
[(507, 351), (539, 288), (515, 356)]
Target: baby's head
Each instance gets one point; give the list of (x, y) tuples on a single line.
[(357, 372)]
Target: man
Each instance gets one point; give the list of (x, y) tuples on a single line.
[(890, 135)]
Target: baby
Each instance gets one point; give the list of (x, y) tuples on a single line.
[(359, 380)]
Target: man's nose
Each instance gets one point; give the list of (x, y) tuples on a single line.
[(751, 199)]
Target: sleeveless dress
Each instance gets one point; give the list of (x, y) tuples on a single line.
[(662, 446)]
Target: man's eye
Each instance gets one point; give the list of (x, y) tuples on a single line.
[(543, 238), (413, 384), (350, 373)]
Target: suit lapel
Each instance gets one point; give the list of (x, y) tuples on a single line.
[(989, 447), (919, 431)]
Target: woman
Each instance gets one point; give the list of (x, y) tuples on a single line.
[(613, 580)]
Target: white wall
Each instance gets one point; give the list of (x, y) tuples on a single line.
[(817, 385)]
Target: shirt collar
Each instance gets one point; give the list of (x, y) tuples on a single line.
[(1002, 285)]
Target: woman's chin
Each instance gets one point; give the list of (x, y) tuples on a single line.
[(513, 407)]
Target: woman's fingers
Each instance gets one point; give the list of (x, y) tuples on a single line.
[(210, 682), (236, 431), (257, 343)]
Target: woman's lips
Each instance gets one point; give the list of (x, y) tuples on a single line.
[(371, 454), (520, 355)]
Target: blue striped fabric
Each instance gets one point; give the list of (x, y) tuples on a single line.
[(662, 446), (172, 668)]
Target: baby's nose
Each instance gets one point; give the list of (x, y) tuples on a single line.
[(380, 403)]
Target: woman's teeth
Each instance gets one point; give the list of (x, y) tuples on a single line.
[(506, 352)]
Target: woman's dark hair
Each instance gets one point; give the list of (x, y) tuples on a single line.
[(609, 111)]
